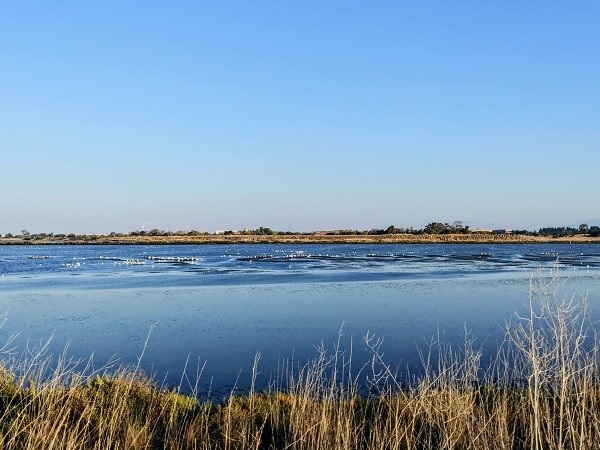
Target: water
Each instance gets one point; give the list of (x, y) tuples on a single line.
[(217, 306), (144, 266)]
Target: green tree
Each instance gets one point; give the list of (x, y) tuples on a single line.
[(264, 230), (436, 228)]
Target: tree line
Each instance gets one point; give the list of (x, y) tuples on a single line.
[(455, 227)]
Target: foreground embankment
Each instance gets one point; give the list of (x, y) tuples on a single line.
[(543, 392), (316, 238), (128, 412)]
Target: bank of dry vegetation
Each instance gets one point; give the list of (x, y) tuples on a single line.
[(434, 232), (542, 392), (314, 238)]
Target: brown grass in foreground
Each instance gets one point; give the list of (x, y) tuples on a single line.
[(543, 392)]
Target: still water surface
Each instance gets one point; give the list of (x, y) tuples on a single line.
[(219, 305)]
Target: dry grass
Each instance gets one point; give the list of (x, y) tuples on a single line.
[(309, 238), (543, 392)]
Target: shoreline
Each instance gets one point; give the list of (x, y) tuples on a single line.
[(212, 239)]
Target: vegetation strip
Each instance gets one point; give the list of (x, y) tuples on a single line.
[(435, 232), (299, 239)]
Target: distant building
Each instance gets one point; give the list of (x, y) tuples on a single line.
[(502, 231), (226, 232)]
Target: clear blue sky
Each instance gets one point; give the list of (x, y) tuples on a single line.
[(297, 115)]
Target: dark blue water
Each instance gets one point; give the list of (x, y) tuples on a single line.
[(218, 306), (219, 265)]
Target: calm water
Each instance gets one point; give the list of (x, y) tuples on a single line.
[(219, 305)]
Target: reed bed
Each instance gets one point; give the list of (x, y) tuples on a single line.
[(542, 392)]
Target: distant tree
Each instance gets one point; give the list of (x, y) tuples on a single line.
[(445, 228), (459, 227), (436, 228), (25, 233), (594, 230), (558, 231), (394, 230), (523, 232), (264, 230), (157, 232), (584, 228)]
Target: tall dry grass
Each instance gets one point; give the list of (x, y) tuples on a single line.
[(542, 392)]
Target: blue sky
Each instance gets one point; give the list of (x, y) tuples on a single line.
[(297, 115)]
